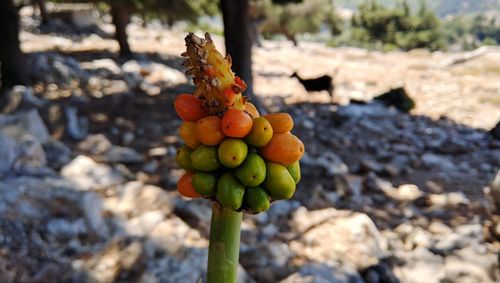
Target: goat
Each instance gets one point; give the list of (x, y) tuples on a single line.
[(317, 84)]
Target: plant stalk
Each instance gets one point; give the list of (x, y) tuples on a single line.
[(224, 245)]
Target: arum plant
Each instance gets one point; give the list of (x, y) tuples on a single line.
[(232, 156)]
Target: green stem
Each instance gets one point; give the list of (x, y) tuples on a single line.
[(224, 246)]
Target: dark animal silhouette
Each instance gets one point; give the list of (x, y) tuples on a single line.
[(317, 84), (398, 98)]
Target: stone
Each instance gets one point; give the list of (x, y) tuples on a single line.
[(107, 65), (8, 154), (21, 97), (24, 123), (120, 154), (174, 235), (323, 273), (103, 150), (95, 144), (93, 210), (57, 154), (371, 165), (434, 161), (88, 175), (135, 198), (64, 229), (420, 263), (282, 209), (143, 224), (375, 184), (76, 127), (349, 186), (407, 192), (332, 236), (448, 200), (328, 161), (117, 260)]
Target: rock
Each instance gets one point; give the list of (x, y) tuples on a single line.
[(434, 161), (414, 237), (267, 261), (64, 229), (105, 67), (349, 186), (23, 124), (100, 147), (143, 224), (448, 200), (95, 144), (119, 154), (51, 67), (320, 198), (93, 210), (332, 236), (76, 127), (472, 264), (174, 236), (197, 213), (406, 192), (375, 184), (149, 88), (455, 146), (282, 209), (356, 111), (21, 97), (57, 154), (135, 198), (371, 165), (117, 260), (328, 161), (8, 154), (418, 264), (87, 174), (21, 137), (323, 273)]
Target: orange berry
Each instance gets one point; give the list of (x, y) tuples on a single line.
[(284, 149), (281, 122), (187, 131), (236, 123), (185, 187), (229, 96), (189, 107), (251, 109), (209, 131)]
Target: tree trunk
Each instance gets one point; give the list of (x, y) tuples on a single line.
[(43, 11), (13, 68), (121, 15), (239, 42)]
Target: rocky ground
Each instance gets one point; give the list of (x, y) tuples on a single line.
[(87, 188)]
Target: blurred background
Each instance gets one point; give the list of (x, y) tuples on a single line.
[(396, 101)]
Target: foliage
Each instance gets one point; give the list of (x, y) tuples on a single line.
[(471, 31), (168, 10), (293, 18), (396, 27)]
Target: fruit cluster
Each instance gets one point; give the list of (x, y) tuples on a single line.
[(232, 155)]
